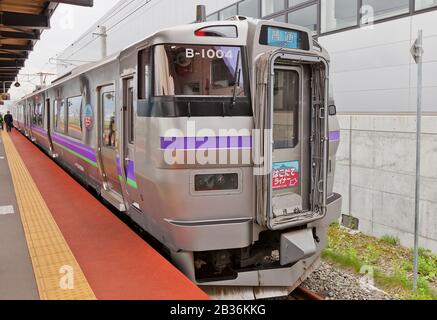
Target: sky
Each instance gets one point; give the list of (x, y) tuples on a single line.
[(68, 23)]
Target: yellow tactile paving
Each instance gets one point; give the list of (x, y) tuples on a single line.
[(58, 275)]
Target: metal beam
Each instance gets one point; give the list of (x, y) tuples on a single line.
[(20, 35), (83, 3), (15, 19), (14, 55), (10, 70), (16, 47), (11, 64), (8, 75), (7, 79)]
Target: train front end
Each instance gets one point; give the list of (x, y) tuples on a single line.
[(242, 184)]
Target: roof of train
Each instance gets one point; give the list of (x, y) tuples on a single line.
[(171, 34)]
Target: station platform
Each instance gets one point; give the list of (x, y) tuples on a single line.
[(57, 241)]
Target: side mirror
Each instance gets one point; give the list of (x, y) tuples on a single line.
[(332, 110)]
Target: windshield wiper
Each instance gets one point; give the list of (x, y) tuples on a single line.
[(236, 79)]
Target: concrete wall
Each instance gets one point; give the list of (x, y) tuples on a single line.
[(376, 175)]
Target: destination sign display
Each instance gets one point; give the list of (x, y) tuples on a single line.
[(283, 38)]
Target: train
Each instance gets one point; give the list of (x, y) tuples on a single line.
[(217, 138)]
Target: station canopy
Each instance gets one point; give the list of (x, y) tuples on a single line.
[(21, 25)]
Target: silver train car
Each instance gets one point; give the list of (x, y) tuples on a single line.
[(217, 138)]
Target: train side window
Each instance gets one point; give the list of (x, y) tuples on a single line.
[(109, 122), (74, 109), (60, 116), (143, 73)]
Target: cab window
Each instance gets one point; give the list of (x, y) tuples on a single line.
[(193, 70)]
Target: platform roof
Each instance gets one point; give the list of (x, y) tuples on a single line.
[(21, 25)]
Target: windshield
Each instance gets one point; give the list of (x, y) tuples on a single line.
[(190, 70)]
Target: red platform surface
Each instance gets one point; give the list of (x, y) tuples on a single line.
[(117, 263)]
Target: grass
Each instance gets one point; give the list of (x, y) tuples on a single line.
[(392, 264), (394, 241)]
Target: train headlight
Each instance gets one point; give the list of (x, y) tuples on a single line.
[(212, 182)]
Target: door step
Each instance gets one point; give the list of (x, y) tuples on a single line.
[(292, 220), (286, 204), (114, 198)]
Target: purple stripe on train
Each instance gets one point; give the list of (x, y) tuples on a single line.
[(117, 164), (77, 147), (203, 143), (334, 135), (130, 170), (40, 131)]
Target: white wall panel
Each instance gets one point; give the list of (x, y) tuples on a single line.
[(373, 71), (388, 55), (383, 100), (379, 34), (373, 79)]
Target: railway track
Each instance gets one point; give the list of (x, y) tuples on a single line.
[(301, 293)]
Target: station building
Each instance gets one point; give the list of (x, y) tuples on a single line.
[(374, 83)]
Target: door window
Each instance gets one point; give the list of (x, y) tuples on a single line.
[(74, 111), (286, 108), (59, 116), (109, 122)]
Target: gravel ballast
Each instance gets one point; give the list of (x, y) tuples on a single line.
[(334, 283)]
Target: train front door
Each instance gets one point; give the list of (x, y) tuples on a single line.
[(109, 148), (288, 125)]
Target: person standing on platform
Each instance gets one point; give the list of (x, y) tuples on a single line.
[(9, 120), (1, 121)]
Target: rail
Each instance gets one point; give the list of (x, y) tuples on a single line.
[(301, 293)]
